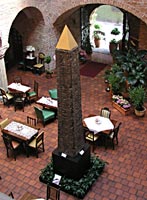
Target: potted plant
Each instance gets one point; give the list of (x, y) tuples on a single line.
[(114, 83), (113, 43), (137, 96), (96, 39), (133, 64), (48, 70), (115, 31), (97, 33), (116, 79), (47, 59)]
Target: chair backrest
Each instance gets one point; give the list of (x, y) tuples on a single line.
[(41, 57), (17, 79), (116, 129), (53, 193), (39, 139), (4, 123), (53, 93), (28, 196), (31, 121), (114, 133), (7, 142), (11, 195), (105, 112), (3, 92), (39, 113), (36, 84)]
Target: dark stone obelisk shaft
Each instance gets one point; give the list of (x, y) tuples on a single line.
[(70, 130)]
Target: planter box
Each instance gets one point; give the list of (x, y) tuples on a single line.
[(120, 109)]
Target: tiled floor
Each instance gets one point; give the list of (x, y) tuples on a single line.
[(125, 175)]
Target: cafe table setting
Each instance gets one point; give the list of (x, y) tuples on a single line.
[(47, 102), (5, 197), (20, 131), (98, 124), (18, 87)]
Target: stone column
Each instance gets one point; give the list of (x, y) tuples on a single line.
[(3, 75)]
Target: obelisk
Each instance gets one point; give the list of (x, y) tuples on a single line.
[(67, 158)]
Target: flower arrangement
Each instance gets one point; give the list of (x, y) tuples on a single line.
[(121, 101)]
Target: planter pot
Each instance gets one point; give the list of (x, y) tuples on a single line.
[(140, 113), (112, 47), (97, 42), (120, 109)]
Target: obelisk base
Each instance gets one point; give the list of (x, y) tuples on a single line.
[(71, 167)]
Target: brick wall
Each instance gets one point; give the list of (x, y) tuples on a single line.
[(42, 23)]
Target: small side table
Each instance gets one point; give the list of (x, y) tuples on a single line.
[(30, 62)]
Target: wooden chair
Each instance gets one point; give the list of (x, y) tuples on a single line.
[(11, 195), (4, 123), (28, 196), (91, 138), (33, 95), (105, 112), (114, 122), (17, 79), (7, 97), (112, 137), (44, 115), (37, 143), (11, 145), (31, 121), (19, 101), (39, 67), (53, 94), (41, 57), (53, 193)]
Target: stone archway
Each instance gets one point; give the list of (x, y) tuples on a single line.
[(24, 29), (107, 18)]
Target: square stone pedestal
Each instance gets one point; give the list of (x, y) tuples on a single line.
[(71, 167)]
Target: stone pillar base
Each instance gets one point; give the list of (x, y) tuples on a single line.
[(71, 167)]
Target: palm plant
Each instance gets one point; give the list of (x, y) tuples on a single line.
[(137, 96)]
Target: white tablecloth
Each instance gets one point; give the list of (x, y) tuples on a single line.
[(21, 129), (98, 124), (19, 87), (48, 101), (5, 197)]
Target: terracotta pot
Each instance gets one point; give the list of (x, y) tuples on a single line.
[(112, 47), (140, 113), (97, 42)]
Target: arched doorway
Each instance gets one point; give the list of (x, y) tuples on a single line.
[(104, 19), (25, 30)]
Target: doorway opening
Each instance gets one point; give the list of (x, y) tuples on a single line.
[(106, 18)]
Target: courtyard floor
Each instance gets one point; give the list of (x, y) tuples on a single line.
[(125, 175)]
